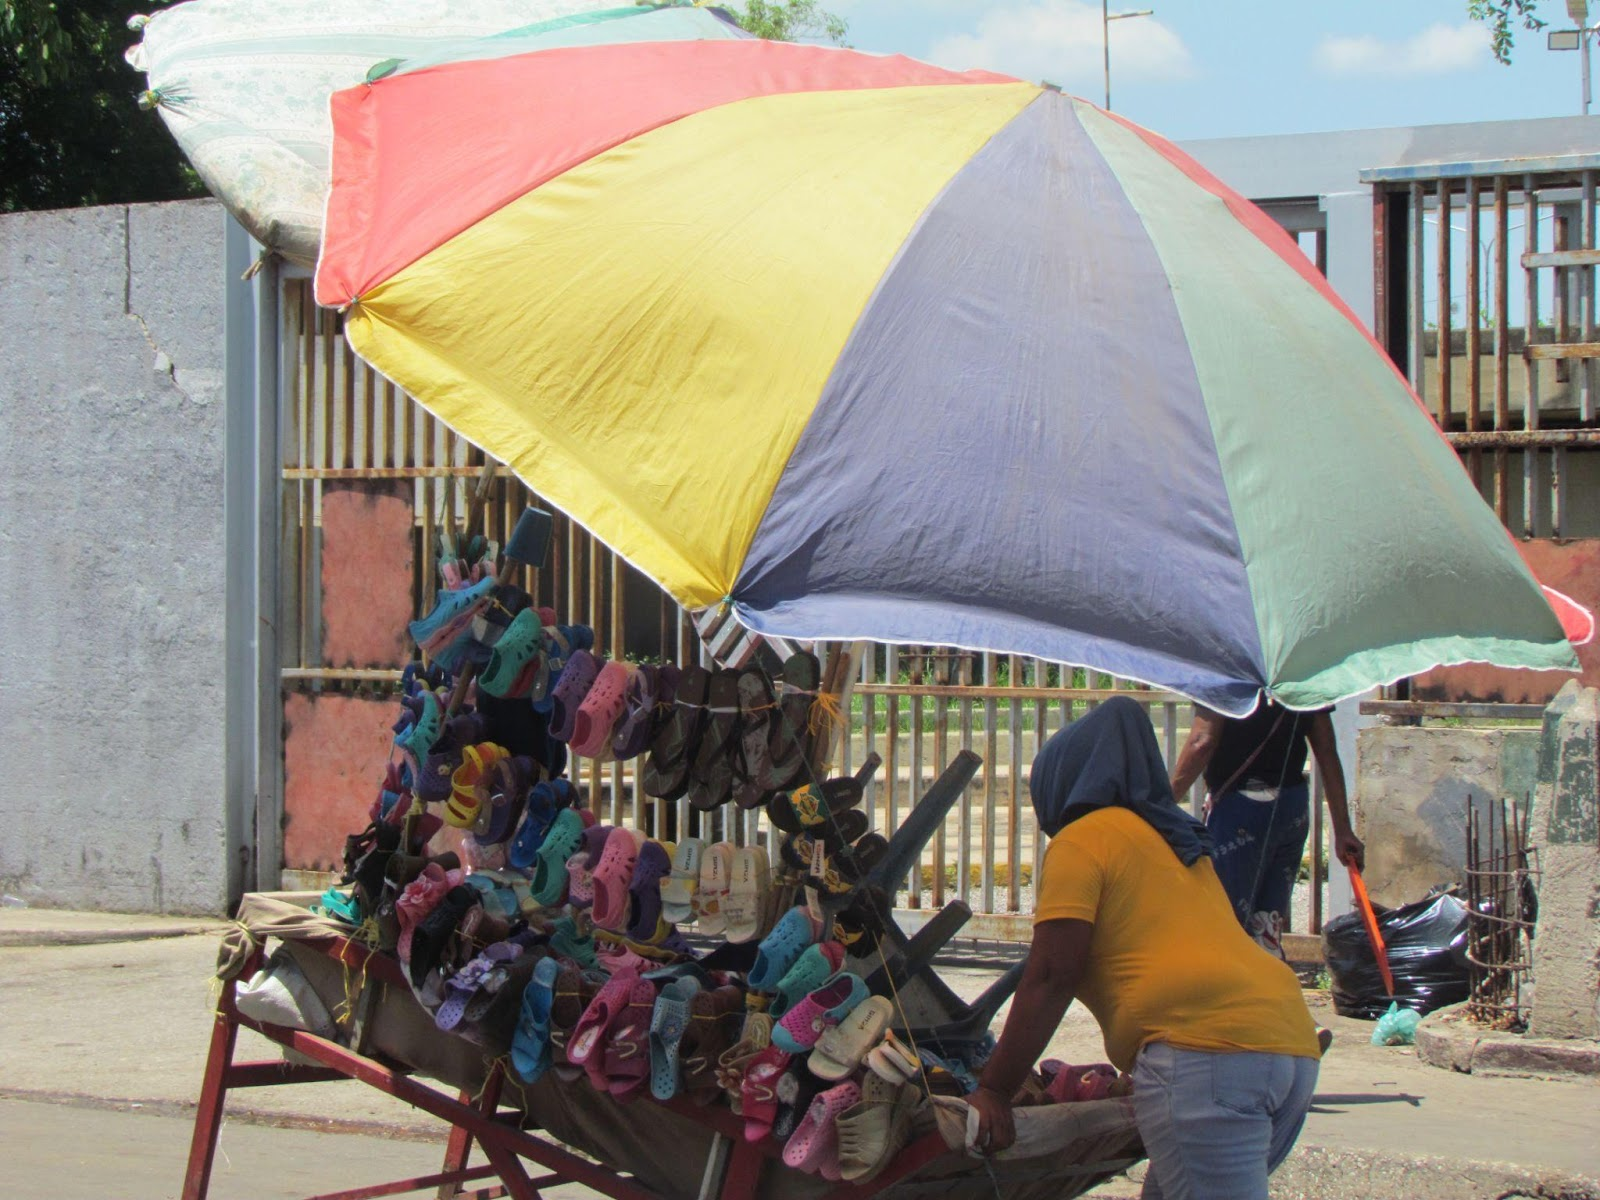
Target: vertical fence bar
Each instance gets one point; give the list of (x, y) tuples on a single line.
[(1446, 352), (1586, 367), (891, 741), (1502, 348), (941, 755), (915, 795), (1530, 334), (869, 728), (1414, 289), (1474, 327)]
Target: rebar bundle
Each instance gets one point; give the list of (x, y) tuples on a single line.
[(1502, 902)]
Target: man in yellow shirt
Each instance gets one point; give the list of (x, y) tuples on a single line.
[(1130, 918)]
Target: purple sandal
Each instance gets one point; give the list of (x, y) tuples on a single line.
[(652, 866), (576, 680)]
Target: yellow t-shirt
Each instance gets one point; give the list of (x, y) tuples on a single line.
[(1168, 960)]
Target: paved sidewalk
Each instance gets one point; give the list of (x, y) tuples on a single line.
[(96, 1028)]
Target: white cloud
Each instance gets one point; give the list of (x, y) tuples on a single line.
[(1437, 50), (1059, 41)]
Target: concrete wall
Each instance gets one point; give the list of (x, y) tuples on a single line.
[(1411, 792), (111, 558)]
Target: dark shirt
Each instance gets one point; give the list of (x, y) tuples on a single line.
[(1281, 762)]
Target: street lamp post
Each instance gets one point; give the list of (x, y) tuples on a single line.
[(1106, 17)]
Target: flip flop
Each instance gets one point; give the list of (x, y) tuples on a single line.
[(746, 904), (798, 849), (711, 897), (627, 1052), (581, 671), (530, 1046), (673, 749), (781, 949), (602, 708), (791, 730), (810, 971), (653, 864), (667, 1024), (711, 776), (612, 877), (810, 808), (803, 1025), (679, 888), (814, 1147), (575, 990), (839, 1050), (549, 881), (757, 711)]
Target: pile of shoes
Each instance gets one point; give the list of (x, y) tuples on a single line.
[(556, 938)]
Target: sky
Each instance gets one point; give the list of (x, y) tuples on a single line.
[(1225, 68)]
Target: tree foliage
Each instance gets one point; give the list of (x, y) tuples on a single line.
[(1501, 16), (791, 21), (70, 130)]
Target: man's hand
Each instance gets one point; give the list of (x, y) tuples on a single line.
[(996, 1130), (1349, 849)]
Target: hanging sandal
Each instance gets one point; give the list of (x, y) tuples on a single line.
[(581, 671), (683, 882), (549, 882), (653, 865), (712, 773), (781, 949), (667, 1024), (746, 905), (711, 897), (814, 1147), (840, 1049), (612, 877), (803, 1026), (600, 711), (791, 730), (674, 746), (872, 1132), (811, 970), (757, 709)]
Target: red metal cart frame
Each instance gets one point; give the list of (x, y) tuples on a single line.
[(734, 1171)]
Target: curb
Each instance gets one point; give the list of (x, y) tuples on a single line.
[(1446, 1040)]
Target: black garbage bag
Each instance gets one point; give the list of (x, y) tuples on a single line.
[(1427, 944)]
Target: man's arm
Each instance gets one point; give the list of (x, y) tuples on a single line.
[(1055, 967), (1347, 847), (1205, 732)]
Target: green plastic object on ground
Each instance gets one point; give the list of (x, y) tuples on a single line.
[(1397, 1027)]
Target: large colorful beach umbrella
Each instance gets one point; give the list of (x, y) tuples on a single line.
[(865, 348), (243, 85)]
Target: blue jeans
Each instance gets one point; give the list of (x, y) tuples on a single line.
[(1259, 844), (1216, 1125)]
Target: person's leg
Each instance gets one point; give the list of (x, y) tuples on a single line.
[(1238, 828), (1284, 848), (1206, 1122), (1289, 1116)]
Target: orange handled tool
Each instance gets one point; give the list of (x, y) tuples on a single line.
[(1370, 920)]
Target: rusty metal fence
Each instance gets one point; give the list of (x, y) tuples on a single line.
[(914, 706)]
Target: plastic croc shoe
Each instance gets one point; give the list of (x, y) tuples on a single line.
[(530, 1046), (602, 707), (568, 943), (581, 671), (667, 1024), (804, 1024), (461, 809), (543, 806), (839, 1050), (565, 838), (653, 864), (561, 642), (815, 1144), (746, 904), (612, 877), (711, 898), (631, 735), (517, 650), (810, 971), (340, 907), (679, 888), (580, 867), (781, 949)]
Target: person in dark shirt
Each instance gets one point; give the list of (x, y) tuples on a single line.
[(1259, 812)]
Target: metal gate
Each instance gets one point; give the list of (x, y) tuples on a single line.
[(366, 481)]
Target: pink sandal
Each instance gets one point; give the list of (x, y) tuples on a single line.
[(612, 877), (627, 1053), (601, 709), (586, 1048), (814, 1145)]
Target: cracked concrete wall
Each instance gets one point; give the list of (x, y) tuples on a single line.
[(1411, 793), (111, 558)]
